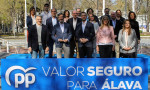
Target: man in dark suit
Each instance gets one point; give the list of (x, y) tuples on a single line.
[(38, 39), (106, 11), (117, 25), (74, 21), (85, 34), (51, 22), (62, 34)]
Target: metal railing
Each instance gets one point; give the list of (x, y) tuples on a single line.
[(8, 44), (141, 46)]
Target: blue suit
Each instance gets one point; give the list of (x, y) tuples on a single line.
[(57, 34)]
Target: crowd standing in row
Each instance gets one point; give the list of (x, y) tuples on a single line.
[(110, 36)]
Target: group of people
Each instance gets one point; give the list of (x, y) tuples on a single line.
[(110, 35)]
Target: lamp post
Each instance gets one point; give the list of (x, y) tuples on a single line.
[(133, 5), (103, 7), (126, 9), (35, 5), (25, 28), (51, 4), (97, 9)]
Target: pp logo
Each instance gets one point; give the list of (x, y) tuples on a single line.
[(23, 78)]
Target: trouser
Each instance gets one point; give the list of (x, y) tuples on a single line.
[(74, 44), (66, 51), (85, 51), (41, 52), (51, 48), (105, 51), (117, 49), (94, 48), (127, 55), (136, 48)]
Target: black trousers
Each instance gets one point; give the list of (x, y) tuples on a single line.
[(105, 51), (85, 51), (51, 43), (72, 47), (128, 55)]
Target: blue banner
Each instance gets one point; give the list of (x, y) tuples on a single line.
[(74, 74)]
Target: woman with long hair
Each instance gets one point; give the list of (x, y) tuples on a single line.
[(31, 19), (135, 26), (96, 26), (90, 11), (66, 15), (127, 40), (105, 38)]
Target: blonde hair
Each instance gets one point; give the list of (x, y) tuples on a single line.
[(102, 22), (124, 27)]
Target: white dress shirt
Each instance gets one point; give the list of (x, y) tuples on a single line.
[(33, 20), (126, 39), (62, 27), (74, 23), (83, 26), (54, 20)]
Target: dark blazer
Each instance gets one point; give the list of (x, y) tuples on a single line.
[(57, 34), (29, 22), (33, 37), (117, 28), (122, 19), (49, 24), (135, 26), (89, 33), (70, 21)]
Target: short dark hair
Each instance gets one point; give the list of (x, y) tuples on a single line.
[(46, 5), (83, 13), (107, 8), (130, 14), (89, 10), (60, 14)]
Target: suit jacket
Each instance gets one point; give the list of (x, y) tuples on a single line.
[(70, 21), (89, 33), (29, 22), (50, 26), (33, 37), (117, 28), (135, 26), (57, 34), (132, 40)]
